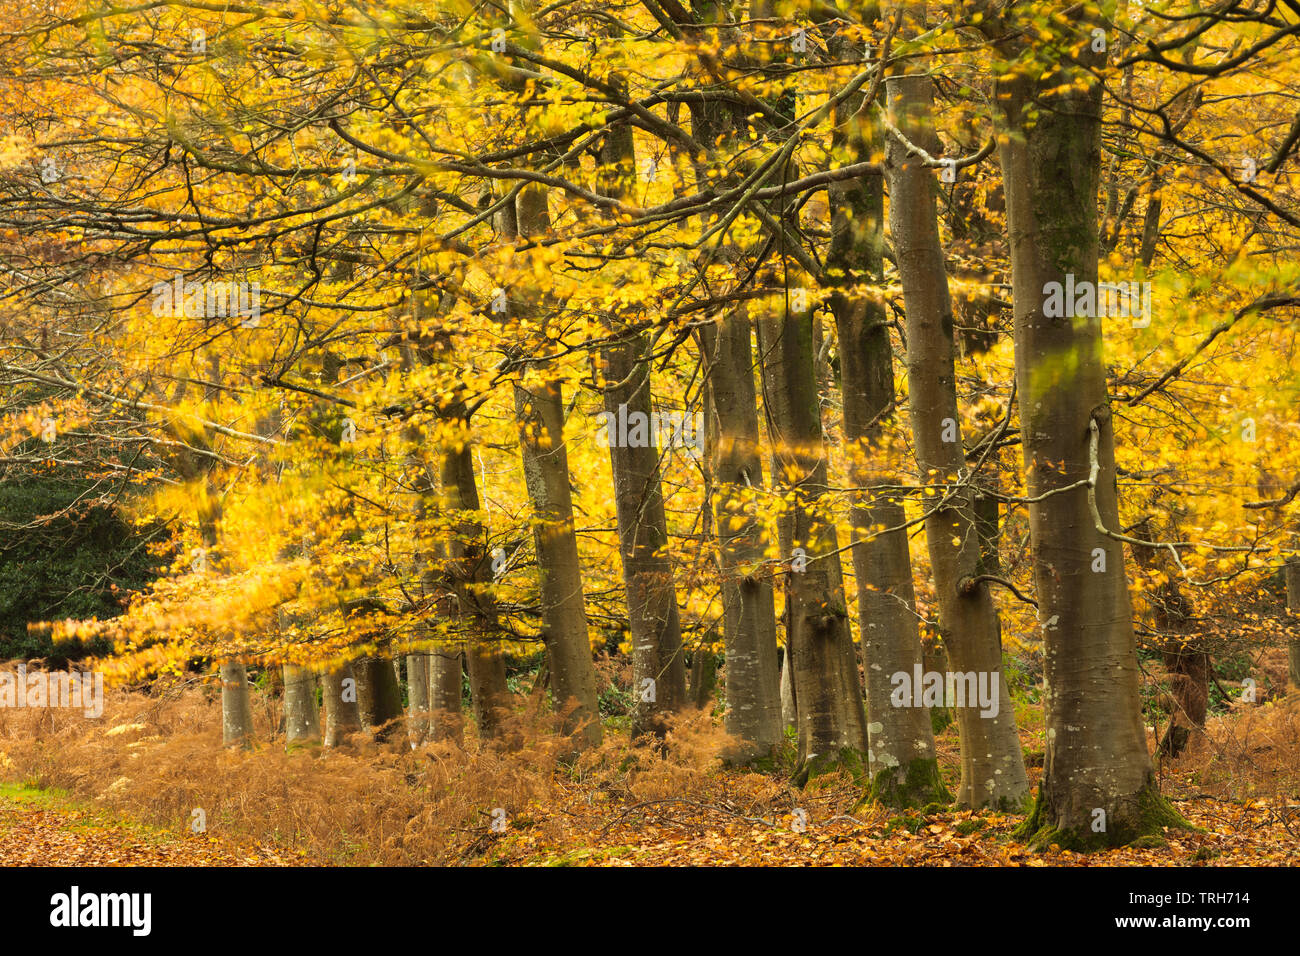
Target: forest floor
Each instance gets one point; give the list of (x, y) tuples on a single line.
[(125, 789), (718, 832), (47, 828)]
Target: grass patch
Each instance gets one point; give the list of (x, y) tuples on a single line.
[(77, 815)]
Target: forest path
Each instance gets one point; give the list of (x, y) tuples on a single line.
[(44, 828)]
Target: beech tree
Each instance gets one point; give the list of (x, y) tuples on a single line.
[(1096, 751), (993, 770), (442, 246)]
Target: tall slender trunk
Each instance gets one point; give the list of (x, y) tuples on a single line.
[(748, 603), (992, 764), (831, 712), (471, 575), (1293, 605), (755, 701), (831, 715), (539, 410), (901, 761), (658, 661), (1183, 655), (1096, 766), (446, 659)]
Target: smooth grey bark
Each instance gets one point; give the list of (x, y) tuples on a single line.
[(993, 766), (1096, 757), (753, 714), (342, 712), (445, 660), (789, 709), (539, 411), (831, 713), (754, 696), (902, 764), (236, 707), (301, 712), (1293, 604), (445, 687), (470, 573), (658, 660), (417, 697), (379, 698), (655, 629)]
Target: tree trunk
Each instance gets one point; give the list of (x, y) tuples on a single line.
[(754, 689), (704, 673), (1096, 766), (1184, 657), (342, 712), (471, 576), (236, 708), (903, 768), (748, 604), (417, 697), (301, 712), (789, 708), (658, 661), (445, 660), (1189, 679), (824, 677), (379, 698), (540, 411), (992, 764), (445, 687), (467, 571), (1293, 604)]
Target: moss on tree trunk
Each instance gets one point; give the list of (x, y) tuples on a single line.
[(917, 783), (1139, 821)]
